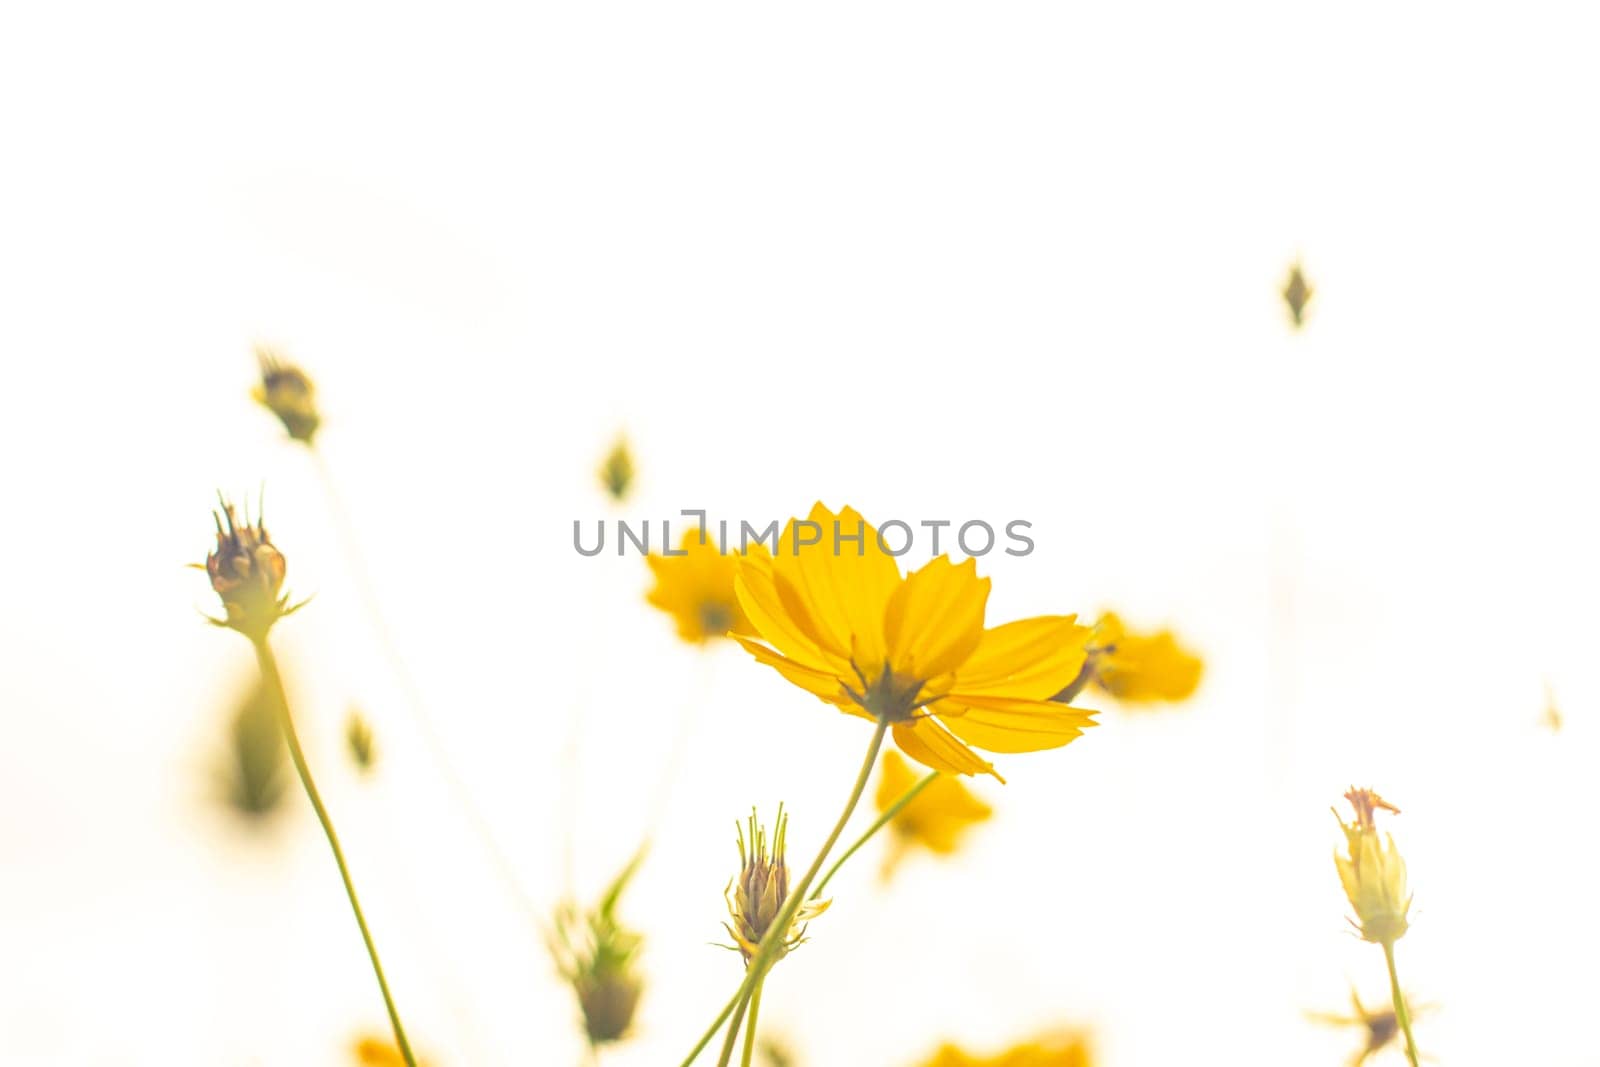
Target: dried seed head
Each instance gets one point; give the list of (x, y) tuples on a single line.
[(1372, 871), (247, 572), (757, 894), (287, 392)]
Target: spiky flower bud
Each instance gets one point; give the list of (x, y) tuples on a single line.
[(757, 894), (1372, 872), (287, 392), (247, 573), (358, 739)]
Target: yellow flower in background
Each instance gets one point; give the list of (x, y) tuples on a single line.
[(1372, 872), (1141, 668), (372, 1051), (837, 619), (1380, 1025), (757, 893), (936, 819), (287, 392), (1067, 1050), (616, 470), (696, 589)]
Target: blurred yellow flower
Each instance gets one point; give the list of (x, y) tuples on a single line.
[(1067, 1050), (1381, 1026), (616, 470), (287, 392), (372, 1051), (838, 620), (1141, 668), (696, 589), (936, 819), (1373, 873), (757, 893)]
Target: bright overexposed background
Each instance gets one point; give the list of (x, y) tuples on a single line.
[(932, 260)]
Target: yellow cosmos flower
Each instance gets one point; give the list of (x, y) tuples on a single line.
[(1067, 1050), (936, 819), (373, 1051), (837, 618), (696, 589), (1373, 873), (1142, 668)]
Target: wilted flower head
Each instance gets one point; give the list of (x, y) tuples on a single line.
[(1380, 1025), (287, 392), (936, 819), (1297, 293), (598, 957), (1372, 872), (247, 572), (252, 770), (696, 589), (756, 895), (616, 470), (1065, 1050), (1136, 668), (837, 619), (358, 739)]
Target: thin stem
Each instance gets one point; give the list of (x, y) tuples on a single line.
[(883, 820), (750, 1032), (274, 683), (778, 933), (1400, 1011), (402, 674)]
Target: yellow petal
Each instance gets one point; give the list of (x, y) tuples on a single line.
[(935, 618), (1032, 658), (1006, 724), (756, 588), (821, 683), (931, 745), (838, 590)]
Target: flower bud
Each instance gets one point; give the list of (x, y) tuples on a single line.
[(616, 470), (756, 895), (287, 392), (1372, 872), (247, 572)]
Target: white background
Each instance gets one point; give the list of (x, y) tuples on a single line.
[(932, 260)]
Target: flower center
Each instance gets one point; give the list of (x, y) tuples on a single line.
[(889, 695)]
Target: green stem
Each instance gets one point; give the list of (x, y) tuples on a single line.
[(778, 933), (883, 820), (1400, 1011), (750, 1033), (274, 683)]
